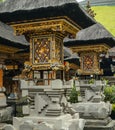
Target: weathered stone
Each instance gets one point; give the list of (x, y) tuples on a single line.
[(49, 109), (27, 125), (8, 127), (56, 84), (6, 114), (45, 126), (90, 110)]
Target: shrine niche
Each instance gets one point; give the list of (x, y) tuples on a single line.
[(89, 63), (41, 50)]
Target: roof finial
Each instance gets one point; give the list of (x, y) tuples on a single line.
[(89, 10)]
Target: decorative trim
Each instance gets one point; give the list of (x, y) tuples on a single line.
[(8, 49), (63, 25)]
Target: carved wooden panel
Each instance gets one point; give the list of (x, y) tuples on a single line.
[(88, 62), (41, 50), (58, 51)]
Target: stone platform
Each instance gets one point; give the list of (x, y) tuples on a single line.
[(110, 126), (2, 125)]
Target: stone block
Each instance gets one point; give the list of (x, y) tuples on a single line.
[(45, 126), (26, 110), (27, 125), (8, 127), (56, 84), (25, 93), (91, 110), (2, 100)]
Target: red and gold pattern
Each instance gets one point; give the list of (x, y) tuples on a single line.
[(88, 62), (41, 50)]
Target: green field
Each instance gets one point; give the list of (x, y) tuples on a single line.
[(106, 16)]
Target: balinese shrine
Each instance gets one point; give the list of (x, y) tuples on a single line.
[(44, 26), (90, 44), (35, 42), (35, 62)]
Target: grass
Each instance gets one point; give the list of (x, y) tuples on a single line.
[(106, 16)]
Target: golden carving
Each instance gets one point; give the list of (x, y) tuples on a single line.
[(11, 67), (63, 25), (89, 63), (27, 71), (42, 56), (46, 51), (102, 47), (89, 57), (8, 49)]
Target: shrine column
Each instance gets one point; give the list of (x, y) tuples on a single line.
[(2, 89), (1, 78)]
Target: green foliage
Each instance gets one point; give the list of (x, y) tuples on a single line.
[(113, 107), (109, 93), (91, 81), (73, 98), (106, 16)]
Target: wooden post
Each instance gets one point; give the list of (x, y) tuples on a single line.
[(1, 78)]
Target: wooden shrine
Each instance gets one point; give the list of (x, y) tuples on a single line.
[(46, 44), (90, 43)]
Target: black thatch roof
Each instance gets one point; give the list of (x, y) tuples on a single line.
[(94, 34), (19, 10), (7, 37), (98, 2)]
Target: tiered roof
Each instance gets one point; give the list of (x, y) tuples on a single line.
[(20, 10), (94, 34), (8, 38)]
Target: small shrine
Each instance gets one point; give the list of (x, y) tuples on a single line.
[(89, 44)]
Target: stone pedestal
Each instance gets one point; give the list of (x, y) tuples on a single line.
[(96, 115), (2, 89), (48, 110), (2, 97), (110, 126), (94, 110), (63, 122)]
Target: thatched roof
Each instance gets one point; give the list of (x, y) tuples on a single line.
[(20, 10), (7, 37), (96, 31), (92, 35), (15, 5)]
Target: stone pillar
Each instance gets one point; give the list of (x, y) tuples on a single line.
[(2, 89)]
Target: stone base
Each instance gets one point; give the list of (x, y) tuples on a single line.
[(2, 97), (97, 122), (6, 115), (63, 122), (110, 126), (2, 126)]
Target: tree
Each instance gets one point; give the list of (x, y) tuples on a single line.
[(73, 98)]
